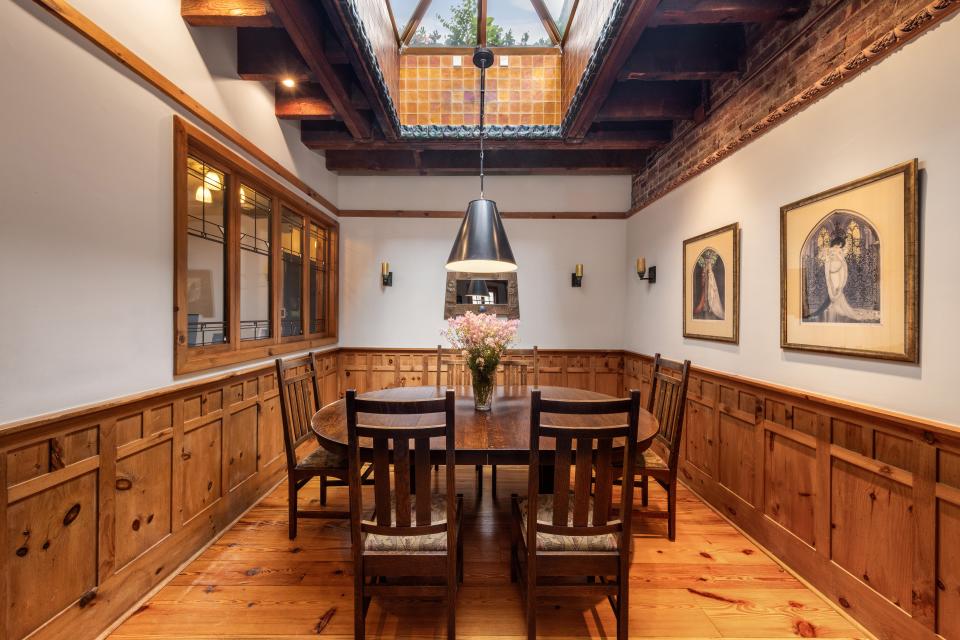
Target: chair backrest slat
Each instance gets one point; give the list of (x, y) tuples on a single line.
[(668, 402), (561, 481), (536, 366), (403, 509), (577, 442), (299, 400), (581, 482)]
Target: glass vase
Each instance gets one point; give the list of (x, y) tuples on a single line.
[(483, 386)]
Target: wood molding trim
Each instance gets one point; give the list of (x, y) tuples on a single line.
[(889, 42), (114, 48), (513, 215)]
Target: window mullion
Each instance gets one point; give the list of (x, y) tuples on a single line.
[(233, 261)]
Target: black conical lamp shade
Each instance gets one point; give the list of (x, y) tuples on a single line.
[(481, 245)]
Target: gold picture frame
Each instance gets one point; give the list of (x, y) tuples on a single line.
[(845, 256), (711, 285)]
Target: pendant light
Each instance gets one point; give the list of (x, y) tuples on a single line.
[(481, 245)]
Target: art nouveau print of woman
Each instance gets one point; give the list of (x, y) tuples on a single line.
[(840, 263), (708, 286)]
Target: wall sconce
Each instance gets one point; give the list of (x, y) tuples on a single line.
[(576, 278), (650, 275), (386, 276)]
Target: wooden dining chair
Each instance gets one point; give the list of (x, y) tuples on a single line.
[(574, 533), (409, 533), (515, 373), (299, 400), (661, 461)]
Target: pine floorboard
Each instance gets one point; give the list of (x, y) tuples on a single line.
[(255, 583)]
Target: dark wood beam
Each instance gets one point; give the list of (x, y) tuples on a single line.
[(503, 162), (418, 12), (718, 11), (544, 13), (304, 102), (482, 23), (269, 54), (322, 136), (366, 71), (638, 15), (651, 101), (302, 21), (686, 53), (228, 13)]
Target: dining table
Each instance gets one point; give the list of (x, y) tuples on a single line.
[(500, 436)]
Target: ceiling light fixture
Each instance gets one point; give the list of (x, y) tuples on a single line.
[(481, 245), (289, 83)]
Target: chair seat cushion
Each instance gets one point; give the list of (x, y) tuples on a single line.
[(432, 542), (322, 459), (650, 460), (557, 542)]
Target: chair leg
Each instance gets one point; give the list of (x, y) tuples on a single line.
[(452, 597), (644, 490), (292, 505), (531, 601), (672, 511), (323, 491), (493, 481), (359, 608), (623, 608)]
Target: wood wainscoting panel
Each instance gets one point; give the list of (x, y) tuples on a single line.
[(143, 501), (872, 530), (102, 503), (201, 455), (737, 470), (948, 569), (789, 485), (700, 436), (51, 541)]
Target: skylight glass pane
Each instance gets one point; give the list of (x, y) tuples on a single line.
[(448, 23), (560, 10), (514, 23), (402, 12)]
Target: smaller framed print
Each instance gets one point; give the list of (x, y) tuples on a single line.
[(711, 285), (849, 268)]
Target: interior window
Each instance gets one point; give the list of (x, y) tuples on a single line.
[(291, 298), (256, 210), (206, 254)]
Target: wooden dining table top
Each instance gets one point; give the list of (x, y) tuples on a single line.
[(499, 436)]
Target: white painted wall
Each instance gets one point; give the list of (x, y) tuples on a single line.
[(897, 110), (552, 313), (86, 243)]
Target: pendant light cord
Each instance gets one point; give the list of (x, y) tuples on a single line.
[(483, 91)]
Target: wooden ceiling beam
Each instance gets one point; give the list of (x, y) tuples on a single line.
[(303, 22), (269, 54), (504, 162), (630, 101), (638, 15), (320, 136), (304, 102), (544, 13), (678, 12), (696, 52), (418, 12), (228, 13)]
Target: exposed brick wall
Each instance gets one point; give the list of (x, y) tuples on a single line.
[(786, 69)]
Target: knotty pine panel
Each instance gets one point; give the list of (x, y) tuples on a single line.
[(872, 530), (948, 570), (737, 460), (949, 468), (240, 445), (143, 501), (28, 462), (201, 456), (50, 556), (270, 433), (790, 485), (699, 437)]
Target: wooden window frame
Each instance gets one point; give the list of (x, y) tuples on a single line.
[(190, 141)]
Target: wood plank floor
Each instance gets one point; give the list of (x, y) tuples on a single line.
[(255, 583)]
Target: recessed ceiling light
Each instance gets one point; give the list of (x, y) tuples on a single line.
[(289, 83)]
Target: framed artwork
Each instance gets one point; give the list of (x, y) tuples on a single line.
[(849, 268), (711, 285)]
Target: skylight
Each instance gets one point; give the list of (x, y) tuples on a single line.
[(454, 24), (514, 23)]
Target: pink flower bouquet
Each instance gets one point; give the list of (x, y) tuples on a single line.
[(482, 338)]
